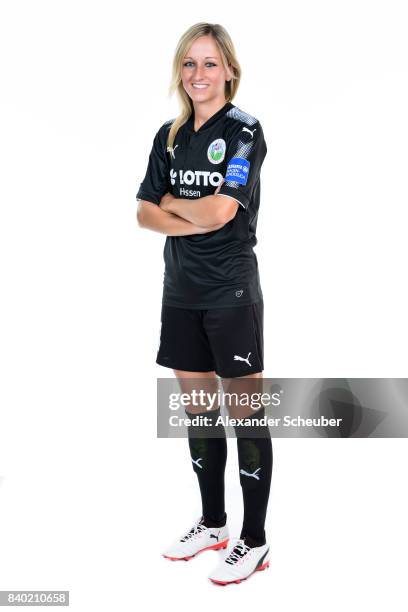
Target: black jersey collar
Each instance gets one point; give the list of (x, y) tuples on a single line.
[(189, 125)]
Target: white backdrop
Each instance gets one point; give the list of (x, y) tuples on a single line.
[(88, 496)]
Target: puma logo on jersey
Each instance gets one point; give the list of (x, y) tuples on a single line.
[(253, 475), (246, 130), (196, 462), (239, 358), (171, 151)]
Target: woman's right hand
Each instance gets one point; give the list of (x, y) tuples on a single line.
[(219, 187)]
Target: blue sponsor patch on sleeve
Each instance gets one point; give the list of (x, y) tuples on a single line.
[(238, 170)]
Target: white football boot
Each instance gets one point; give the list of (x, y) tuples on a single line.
[(241, 561), (198, 539)]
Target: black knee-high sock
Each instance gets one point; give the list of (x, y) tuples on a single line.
[(209, 457), (255, 472)]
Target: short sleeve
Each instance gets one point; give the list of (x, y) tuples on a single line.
[(246, 153), (155, 183)]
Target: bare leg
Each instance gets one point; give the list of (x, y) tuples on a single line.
[(252, 383), (189, 381)]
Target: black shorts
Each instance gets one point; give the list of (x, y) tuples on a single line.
[(227, 340)]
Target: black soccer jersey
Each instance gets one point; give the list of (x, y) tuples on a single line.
[(219, 268)]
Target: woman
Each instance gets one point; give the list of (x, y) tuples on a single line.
[(202, 189)]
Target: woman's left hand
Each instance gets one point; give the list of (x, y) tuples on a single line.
[(166, 200)]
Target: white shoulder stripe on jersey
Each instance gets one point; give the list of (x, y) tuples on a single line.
[(232, 197), (237, 113)]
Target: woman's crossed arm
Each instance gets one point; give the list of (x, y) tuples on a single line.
[(153, 217)]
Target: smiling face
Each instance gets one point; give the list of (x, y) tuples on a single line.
[(202, 72)]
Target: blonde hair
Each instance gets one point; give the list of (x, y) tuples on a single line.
[(228, 58)]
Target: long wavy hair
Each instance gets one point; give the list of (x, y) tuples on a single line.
[(228, 58)]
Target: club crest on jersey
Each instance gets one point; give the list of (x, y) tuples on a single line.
[(216, 151)]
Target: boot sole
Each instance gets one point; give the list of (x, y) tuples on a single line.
[(218, 546), (258, 569)]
